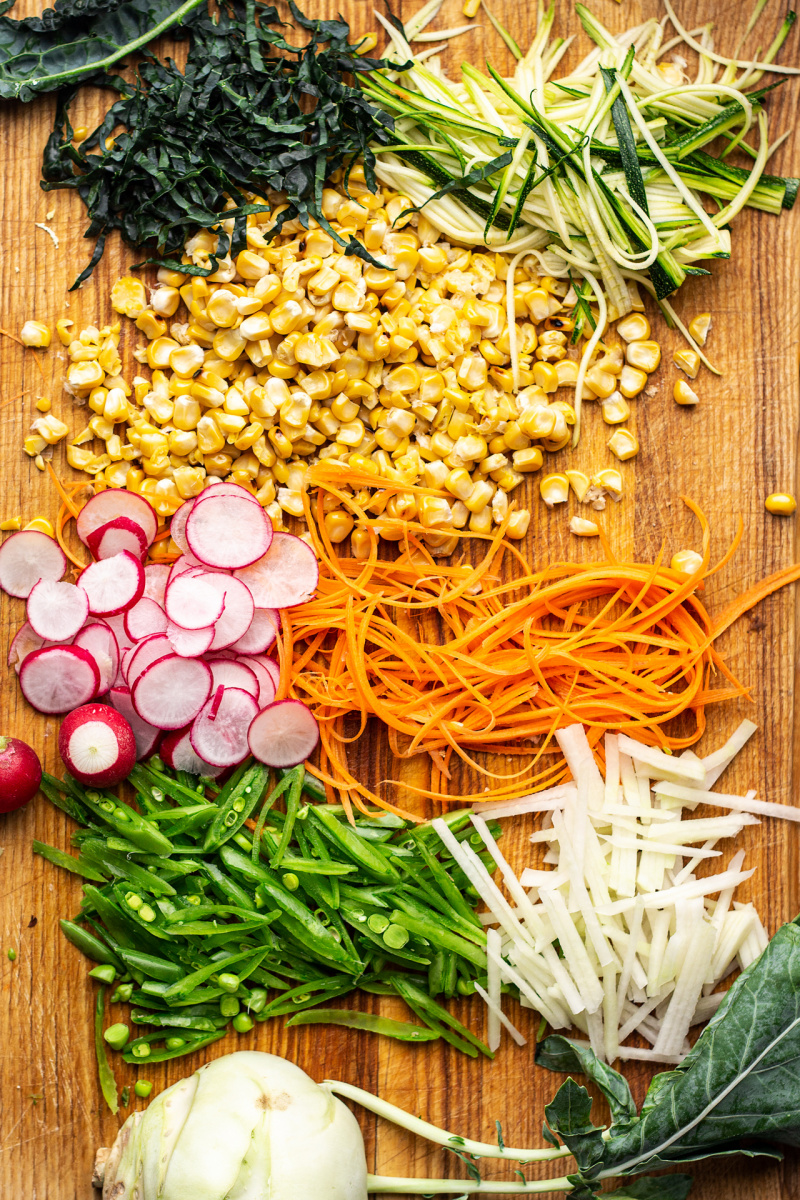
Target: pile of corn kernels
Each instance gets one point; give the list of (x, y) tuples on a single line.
[(294, 352)]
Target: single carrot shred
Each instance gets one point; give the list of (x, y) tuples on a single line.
[(462, 661)]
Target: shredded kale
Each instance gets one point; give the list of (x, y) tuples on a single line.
[(250, 112)]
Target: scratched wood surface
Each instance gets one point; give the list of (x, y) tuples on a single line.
[(728, 454)]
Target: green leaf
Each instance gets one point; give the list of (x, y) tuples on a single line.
[(652, 1187), (558, 1053), (569, 1115)]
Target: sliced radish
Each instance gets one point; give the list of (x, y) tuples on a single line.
[(155, 581), (190, 643), (97, 745), (228, 531), (98, 638), (142, 655), (219, 732), (146, 735), (25, 558), (144, 619), (177, 526), (286, 575), (171, 692), (113, 585), (264, 628), (57, 679), (23, 643), (214, 490), (267, 686), (283, 734), (115, 536), (228, 673), (237, 610), (193, 603), (117, 502), (270, 665), (116, 624), (176, 751), (57, 611)]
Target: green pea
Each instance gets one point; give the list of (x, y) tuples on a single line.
[(229, 1006), (258, 1000), (117, 1036), (228, 981), (122, 994), (395, 937), (291, 882), (142, 1088), (133, 901), (12, 955), (242, 1023), (142, 1051), (174, 1043), (147, 913), (378, 923)]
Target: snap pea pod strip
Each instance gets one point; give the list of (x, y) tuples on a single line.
[(439, 1019), (110, 862), (108, 1084), (178, 1020), (404, 1031), (445, 884), (364, 854), (160, 969), (190, 981), (153, 1056), (235, 803), (441, 937), (293, 782), (90, 945), (59, 859), (123, 819), (282, 1007), (57, 793)]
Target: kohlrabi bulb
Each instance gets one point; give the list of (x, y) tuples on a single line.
[(249, 1126)]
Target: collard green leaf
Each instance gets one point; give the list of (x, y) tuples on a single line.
[(560, 1054), (569, 1115), (78, 39), (654, 1187)]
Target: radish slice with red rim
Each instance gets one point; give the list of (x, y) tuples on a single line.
[(146, 735), (113, 585), (193, 603), (57, 679), (264, 628), (228, 673), (177, 752), (267, 686), (147, 652), (155, 581), (116, 624), (57, 611), (25, 558), (23, 643), (219, 732), (177, 526), (171, 692), (237, 610), (214, 490), (283, 734), (287, 574), (190, 643), (228, 531), (115, 536), (144, 619), (117, 502), (270, 665), (98, 638)]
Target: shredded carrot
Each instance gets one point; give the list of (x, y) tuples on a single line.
[(463, 661), (65, 515)]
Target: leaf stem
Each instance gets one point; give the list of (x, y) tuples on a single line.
[(464, 1187), (441, 1137)]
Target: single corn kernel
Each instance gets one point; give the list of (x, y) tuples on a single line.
[(43, 404), (338, 525), (459, 483), (699, 327), (35, 334), (481, 521), (579, 483), (601, 383), (634, 328), (518, 524), (50, 428), (615, 409), (583, 528), (470, 8), (528, 460), (165, 301), (683, 393), (688, 361), (644, 355), (63, 327), (554, 489), (688, 562), (186, 360), (11, 524), (567, 372), (780, 504), (623, 444), (610, 481), (631, 381), (434, 512), (128, 297), (545, 376)]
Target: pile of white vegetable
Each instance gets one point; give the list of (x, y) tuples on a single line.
[(620, 936)]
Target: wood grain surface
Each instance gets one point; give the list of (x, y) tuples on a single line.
[(738, 445)]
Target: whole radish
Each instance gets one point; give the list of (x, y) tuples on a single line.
[(97, 745), (20, 774)]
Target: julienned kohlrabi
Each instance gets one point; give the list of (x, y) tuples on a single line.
[(251, 1124)]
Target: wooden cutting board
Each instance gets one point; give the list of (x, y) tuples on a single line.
[(738, 445)]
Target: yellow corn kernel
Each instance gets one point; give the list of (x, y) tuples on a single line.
[(43, 404), (338, 525), (101, 428), (780, 504), (434, 512), (537, 303), (683, 394), (63, 327), (554, 489), (688, 361), (360, 543), (644, 355), (314, 351), (230, 424), (459, 426), (623, 444), (35, 334), (631, 381), (634, 328), (615, 409), (472, 372), (480, 496), (51, 429), (538, 422), (400, 421), (165, 301), (128, 296), (699, 327), (578, 482), (186, 360), (600, 383), (189, 481), (351, 433), (610, 481), (528, 460), (545, 376), (150, 325), (566, 372), (518, 524), (583, 528), (688, 562), (481, 521), (209, 436), (12, 524), (85, 436), (507, 478), (79, 459), (251, 266), (458, 482)]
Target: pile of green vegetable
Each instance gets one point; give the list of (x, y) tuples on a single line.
[(200, 921)]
